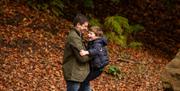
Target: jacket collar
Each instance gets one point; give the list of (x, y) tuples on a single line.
[(78, 32)]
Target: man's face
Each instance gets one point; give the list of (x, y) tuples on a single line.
[(84, 27)]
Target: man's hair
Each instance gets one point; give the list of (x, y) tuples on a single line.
[(81, 19), (97, 30)]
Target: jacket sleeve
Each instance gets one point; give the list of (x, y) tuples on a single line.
[(77, 45), (95, 50)]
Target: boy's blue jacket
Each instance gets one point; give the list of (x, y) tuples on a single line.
[(98, 51)]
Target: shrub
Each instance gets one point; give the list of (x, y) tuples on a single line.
[(55, 6), (88, 3), (120, 29), (135, 44), (113, 70), (94, 22)]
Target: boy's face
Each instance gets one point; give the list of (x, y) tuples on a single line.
[(91, 35)]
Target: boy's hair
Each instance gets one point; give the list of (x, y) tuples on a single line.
[(81, 19), (97, 30)]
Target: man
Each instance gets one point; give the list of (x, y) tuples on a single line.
[(76, 67)]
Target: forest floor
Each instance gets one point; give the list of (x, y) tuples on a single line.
[(31, 51)]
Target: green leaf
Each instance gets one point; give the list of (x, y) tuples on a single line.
[(57, 3), (88, 3), (136, 28), (56, 11), (135, 44), (94, 22)]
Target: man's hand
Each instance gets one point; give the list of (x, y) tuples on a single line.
[(83, 52)]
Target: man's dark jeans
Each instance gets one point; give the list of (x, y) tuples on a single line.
[(84, 86), (77, 86)]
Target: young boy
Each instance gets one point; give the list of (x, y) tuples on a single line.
[(97, 51)]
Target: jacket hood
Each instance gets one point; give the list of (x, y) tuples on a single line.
[(102, 41)]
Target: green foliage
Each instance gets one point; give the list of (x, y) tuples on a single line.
[(94, 22), (55, 6), (113, 70), (88, 3), (135, 44), (121, 39), (117, 24), (169, 3), (136, 28), (120, 30)]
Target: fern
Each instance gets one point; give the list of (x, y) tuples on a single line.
[(121, 39), (56, 11), (120, 30), (94, 22), (111, 36), (55, 6), (135, 44), (123, 22), (117, 23), (135, 28), (113, 70), (88, 3), (58, 4)]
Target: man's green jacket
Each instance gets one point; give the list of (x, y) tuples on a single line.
[(75, 67)]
